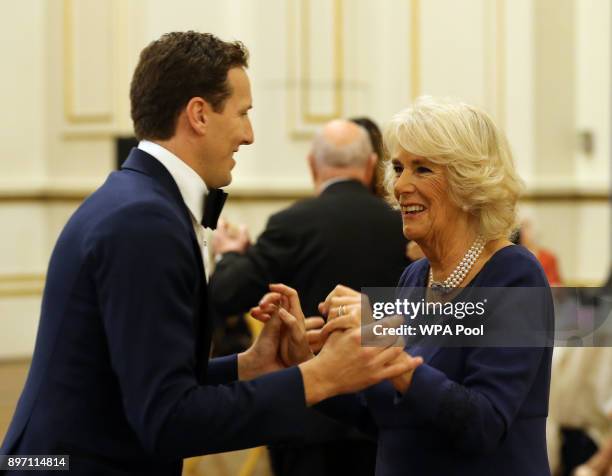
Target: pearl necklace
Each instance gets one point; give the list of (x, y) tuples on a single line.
[(462, 269)]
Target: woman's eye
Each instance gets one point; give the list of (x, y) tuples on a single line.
[(397, 169), (423, 170)]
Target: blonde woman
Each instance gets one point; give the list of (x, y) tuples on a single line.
[(465, 410)]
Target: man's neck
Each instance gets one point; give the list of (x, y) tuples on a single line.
[(178, 148), (324, 185), (324, 180)]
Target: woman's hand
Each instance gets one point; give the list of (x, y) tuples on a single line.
[(402, 382), (343, 308), (338, 301)]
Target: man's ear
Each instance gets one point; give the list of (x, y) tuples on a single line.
[(198, 113), (312, 165)]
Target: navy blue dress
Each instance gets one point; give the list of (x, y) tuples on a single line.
[(469, 411)]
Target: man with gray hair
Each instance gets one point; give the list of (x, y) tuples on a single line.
[(343, 145), (344, 235)]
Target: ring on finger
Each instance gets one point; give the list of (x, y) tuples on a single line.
[(341, 310)]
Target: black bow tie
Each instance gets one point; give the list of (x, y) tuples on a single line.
[(213, 204)]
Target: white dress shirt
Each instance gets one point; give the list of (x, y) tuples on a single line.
[(192, 189)]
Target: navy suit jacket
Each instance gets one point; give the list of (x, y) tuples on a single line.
[(120, 378)]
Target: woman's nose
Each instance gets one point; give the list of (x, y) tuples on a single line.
[(404, 184)]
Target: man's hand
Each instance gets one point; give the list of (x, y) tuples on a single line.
[(263, 356), (228, 237), (297, 332), (345, 366), (294, 342), (314, 333)]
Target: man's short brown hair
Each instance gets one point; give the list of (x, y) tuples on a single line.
[(176, 68)]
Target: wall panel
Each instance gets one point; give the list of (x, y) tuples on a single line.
[(88, 61)]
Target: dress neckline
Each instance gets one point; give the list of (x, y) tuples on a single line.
[(480, 272)]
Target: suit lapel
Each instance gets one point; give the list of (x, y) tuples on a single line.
[(140, 161)]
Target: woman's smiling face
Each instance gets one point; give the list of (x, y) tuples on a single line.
[(421, 188)]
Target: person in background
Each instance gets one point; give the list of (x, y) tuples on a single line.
[(377, 186), (343, 235), (580, 422), (526, 236), (600, 464)]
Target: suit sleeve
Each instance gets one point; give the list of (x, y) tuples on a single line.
[(222, 370), (350, 409), (240, 280), (144, 272)]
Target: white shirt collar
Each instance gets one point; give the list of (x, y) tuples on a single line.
[(189, 183)]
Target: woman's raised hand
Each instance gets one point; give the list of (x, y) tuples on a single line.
[(343, 309)]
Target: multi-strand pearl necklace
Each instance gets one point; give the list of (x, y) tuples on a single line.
[(462, 269)]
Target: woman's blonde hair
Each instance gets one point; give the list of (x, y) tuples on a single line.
[(474, 151)]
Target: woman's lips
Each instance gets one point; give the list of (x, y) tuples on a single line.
[(412, 209)]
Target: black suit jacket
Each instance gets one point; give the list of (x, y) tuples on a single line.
[(346, 236), (120, 378)]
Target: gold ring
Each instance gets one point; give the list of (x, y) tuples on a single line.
[(341, 310)]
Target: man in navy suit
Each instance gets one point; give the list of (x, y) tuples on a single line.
[(120, 378)]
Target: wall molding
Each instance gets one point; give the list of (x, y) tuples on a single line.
[(69, 70), (76, 193), (302, 121), (494, 59), (268, 194), (308, 116), (415, 49), (500, 58), (47, 190), (15, 361), (540, 196), (21, 284)]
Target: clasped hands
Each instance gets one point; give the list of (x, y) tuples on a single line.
[(342, 363)]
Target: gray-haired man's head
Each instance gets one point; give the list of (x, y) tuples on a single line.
[(341, 143), (342, 150)]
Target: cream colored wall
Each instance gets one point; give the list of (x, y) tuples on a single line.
[(592, 80), (540, 67)]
